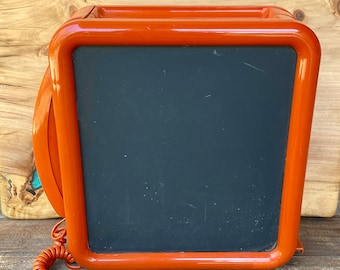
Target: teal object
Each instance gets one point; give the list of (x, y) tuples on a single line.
[(36, 183)]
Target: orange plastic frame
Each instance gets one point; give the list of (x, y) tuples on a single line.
[(56, 135)]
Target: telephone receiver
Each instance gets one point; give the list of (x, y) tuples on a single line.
[(45, 145)]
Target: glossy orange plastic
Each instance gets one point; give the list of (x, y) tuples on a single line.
[(56, 136), (45, 145)]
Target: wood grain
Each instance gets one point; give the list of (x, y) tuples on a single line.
[(26, 28), (22, 240)]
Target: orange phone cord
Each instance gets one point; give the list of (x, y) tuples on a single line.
[(58, 251)]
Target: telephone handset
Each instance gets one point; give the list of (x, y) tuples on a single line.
[(45, 145)]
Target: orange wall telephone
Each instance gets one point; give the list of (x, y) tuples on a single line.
[(177, 137)]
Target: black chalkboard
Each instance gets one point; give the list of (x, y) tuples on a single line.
[(183, 148)]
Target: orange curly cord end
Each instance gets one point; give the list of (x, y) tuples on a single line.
[(57, 251)]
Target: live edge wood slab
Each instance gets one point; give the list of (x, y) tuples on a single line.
[(26, 28)]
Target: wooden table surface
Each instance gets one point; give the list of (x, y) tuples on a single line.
[(22, 240)]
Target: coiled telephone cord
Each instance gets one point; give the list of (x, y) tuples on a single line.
[(58, 251)]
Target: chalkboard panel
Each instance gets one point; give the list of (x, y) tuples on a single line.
[(183, 148)]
